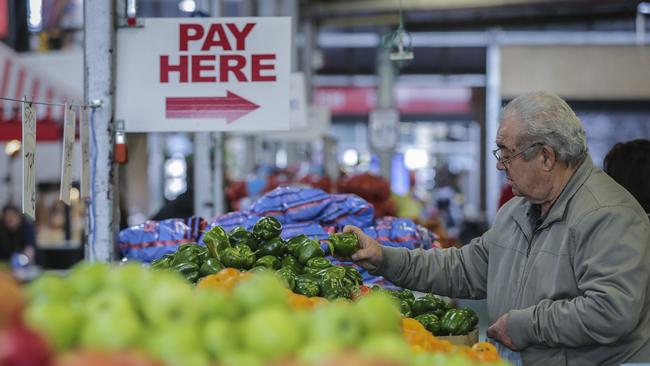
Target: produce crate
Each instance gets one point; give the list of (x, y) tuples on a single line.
[(462, 340)]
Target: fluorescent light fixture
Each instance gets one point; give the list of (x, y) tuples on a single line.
[(35, 17), (187, 6), (643, 8), (12, 147)]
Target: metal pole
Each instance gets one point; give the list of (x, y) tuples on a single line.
[(156, 152), (219, 140), (202, 175), (492, 109), (98, 84), (385, 83), (309, 36)]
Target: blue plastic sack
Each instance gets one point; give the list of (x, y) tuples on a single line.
[(153, 239), (292, 204)]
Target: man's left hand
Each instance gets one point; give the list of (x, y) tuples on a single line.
[(499, 332)]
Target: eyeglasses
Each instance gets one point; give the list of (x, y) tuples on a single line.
[(505, 162)]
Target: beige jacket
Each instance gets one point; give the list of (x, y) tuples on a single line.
[(577, 289)]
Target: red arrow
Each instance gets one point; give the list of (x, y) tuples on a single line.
[(231, 107)]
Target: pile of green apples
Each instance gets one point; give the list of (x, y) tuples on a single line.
[(104, 308)]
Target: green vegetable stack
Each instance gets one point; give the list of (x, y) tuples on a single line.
[(437, 315), (191, 260), (300, 262)]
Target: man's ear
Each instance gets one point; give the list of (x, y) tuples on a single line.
[(549, 158)]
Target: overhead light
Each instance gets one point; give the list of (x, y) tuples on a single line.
[(74, 194), (35, 18), (175, 167), (187, 6), (643, 8), (350, 157), (12, 147), (416, 159)]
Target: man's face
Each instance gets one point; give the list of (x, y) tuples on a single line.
[(526, 177)]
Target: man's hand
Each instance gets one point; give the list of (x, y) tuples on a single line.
[(499, 332), (369, 254)]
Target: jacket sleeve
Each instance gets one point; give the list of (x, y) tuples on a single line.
[(450, 272), (611, 263)]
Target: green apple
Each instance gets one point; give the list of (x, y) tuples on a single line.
[(387, 346), (219, 338), (133, 278), (110, 301), (169, 301), (313, 352), (241, 359), (49, 288), (261, 290), (178, 344), (57, 321), (111, 331), (337, 323), (86, 278), (271, 333), (378, 313), (215, 304)]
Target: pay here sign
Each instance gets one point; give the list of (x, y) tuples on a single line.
[(208, 74)]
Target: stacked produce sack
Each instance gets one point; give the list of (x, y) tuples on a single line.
[(129, 315)]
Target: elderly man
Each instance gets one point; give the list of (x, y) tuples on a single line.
[(565, 267)]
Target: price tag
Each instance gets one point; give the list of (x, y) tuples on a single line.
[(84, 135), (29, 161), (66, 160)]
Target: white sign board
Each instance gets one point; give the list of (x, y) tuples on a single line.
[(383, 128), (208, 74), (29, 161), (319, 120), (84, 136), (67, 154), (297, 101)]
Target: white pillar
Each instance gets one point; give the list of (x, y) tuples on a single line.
[(99, 50)]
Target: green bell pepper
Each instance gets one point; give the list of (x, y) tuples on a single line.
[(428, 303), (430, 321), (260, 269), (217, 241), (210, 266), (267, 228), (307, 286), (406, 295), (332, 288), (190, 246), (334, 272), (343, 244), (319, 262), (188, 270), (274, 247), (243, 237), (288, 277), (237, 229), (268, 261), (353, 275), (291, 262), (405, 308), (163, 262), (186, 256), (472, 316), (309, 250), (294, 244), (456, 322), (241, 257)]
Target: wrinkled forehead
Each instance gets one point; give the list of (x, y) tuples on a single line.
[(508, 131)]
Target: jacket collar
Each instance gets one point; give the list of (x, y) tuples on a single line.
[(558, 210)]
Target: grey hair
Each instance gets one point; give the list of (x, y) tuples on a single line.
[(549, 120)]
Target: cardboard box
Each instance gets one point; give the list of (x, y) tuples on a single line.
[(463, 340)]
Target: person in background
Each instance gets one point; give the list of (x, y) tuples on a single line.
[(565, 266), (629, 164), (16, 234)]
